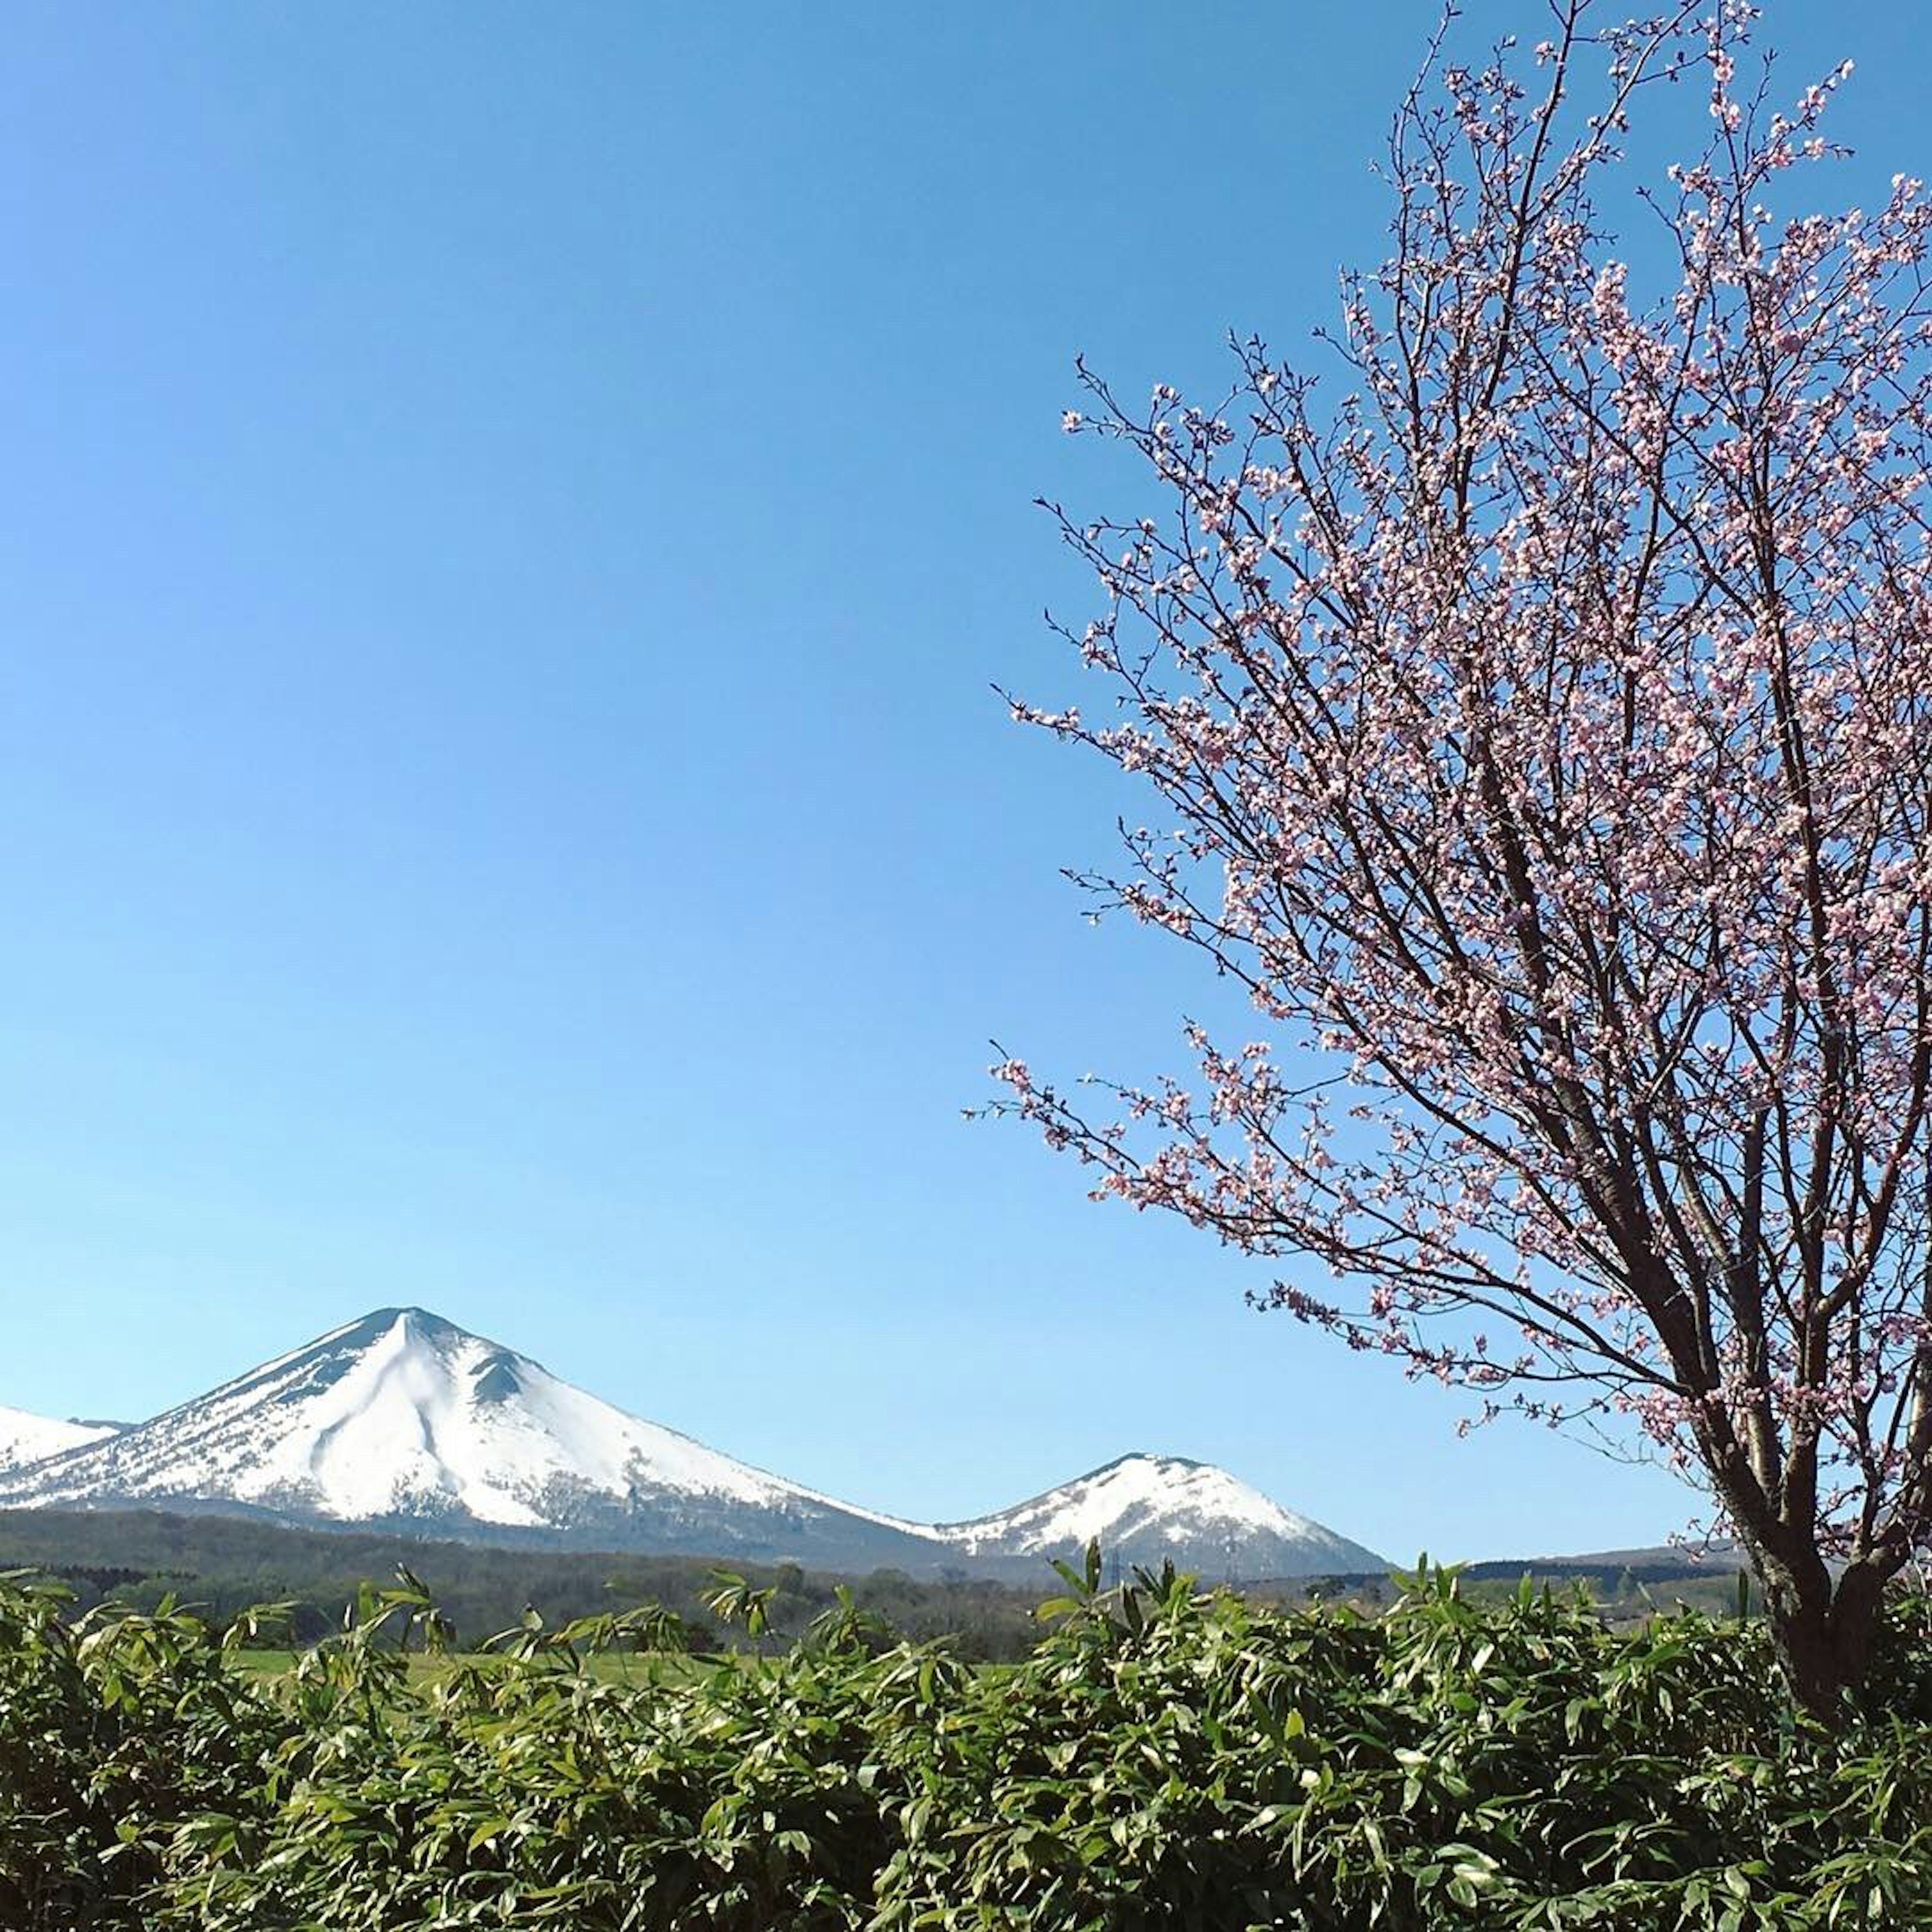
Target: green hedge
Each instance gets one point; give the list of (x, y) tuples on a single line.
[(1163, 1759)]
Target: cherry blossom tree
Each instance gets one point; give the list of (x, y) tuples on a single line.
[(1541, 722)]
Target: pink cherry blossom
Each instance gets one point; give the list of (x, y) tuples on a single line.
[(1542, 727)]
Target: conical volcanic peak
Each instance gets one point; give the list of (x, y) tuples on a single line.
[(404, 1418)]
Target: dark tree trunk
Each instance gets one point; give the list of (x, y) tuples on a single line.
[(1824, 1635)]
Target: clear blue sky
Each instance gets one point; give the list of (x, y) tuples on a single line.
[(509, 517)]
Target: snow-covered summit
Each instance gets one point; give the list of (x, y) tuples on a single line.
[(402, 1416), (1145, 1509), (25, 1439)]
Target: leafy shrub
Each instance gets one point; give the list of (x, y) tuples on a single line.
[(1163, 1758)]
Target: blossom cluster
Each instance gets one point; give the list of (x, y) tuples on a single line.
[(1544, 732)]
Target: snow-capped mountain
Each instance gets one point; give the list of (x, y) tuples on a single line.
[(25, 1439), (404, 1420), (1146, 1510)]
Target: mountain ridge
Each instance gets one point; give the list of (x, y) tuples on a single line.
[(400, 1420)]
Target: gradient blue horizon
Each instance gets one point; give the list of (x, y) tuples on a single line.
[(512, 520)]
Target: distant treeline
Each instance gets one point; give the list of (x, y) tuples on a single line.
[(1604, 1576), (221, 1565), (224, 1565)]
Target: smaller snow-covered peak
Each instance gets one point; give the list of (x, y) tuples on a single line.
[(1145, 1508), (25, 1439)]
